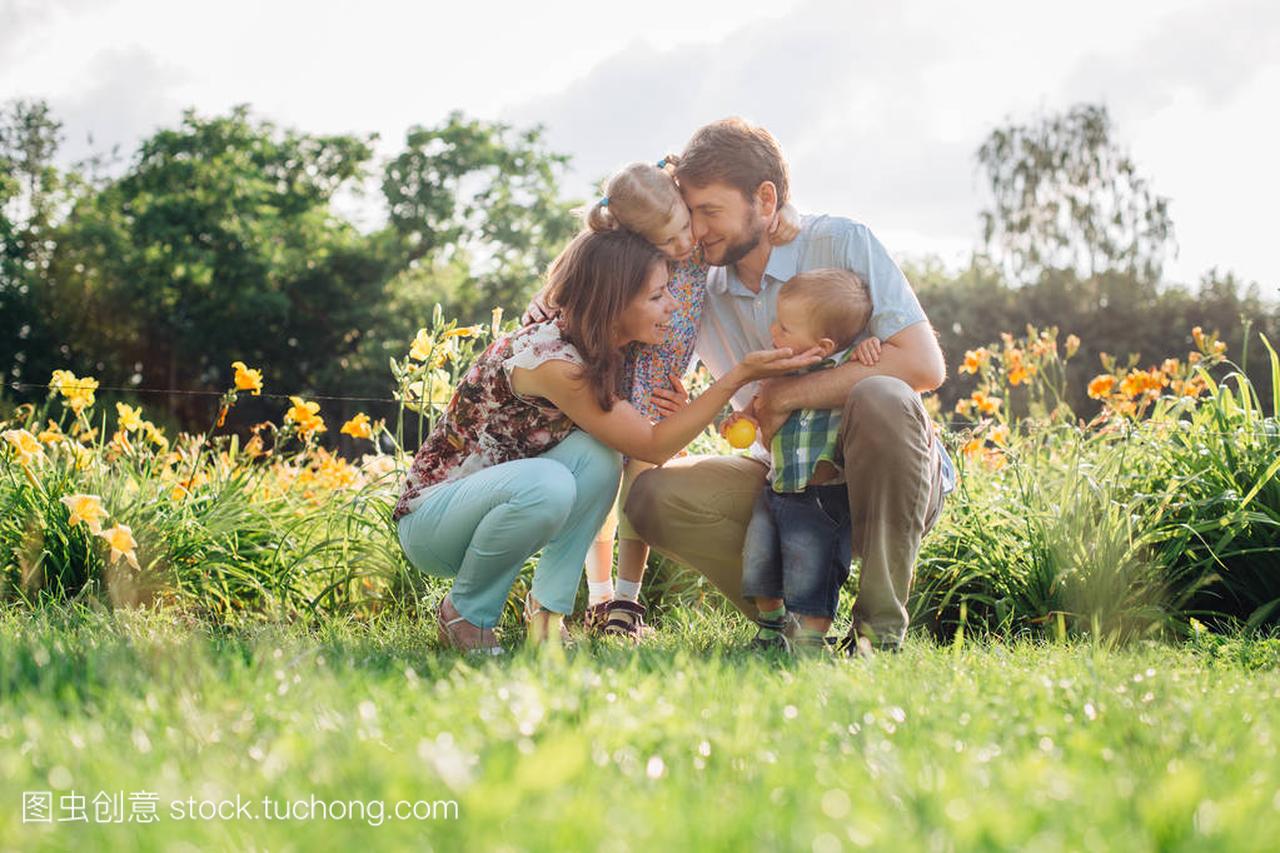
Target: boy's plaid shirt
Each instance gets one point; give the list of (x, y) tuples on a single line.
[(808, 437)]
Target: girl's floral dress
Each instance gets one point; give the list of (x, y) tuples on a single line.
[(486, 422), (650, 366)]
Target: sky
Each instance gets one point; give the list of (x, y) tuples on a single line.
[(879, 107)]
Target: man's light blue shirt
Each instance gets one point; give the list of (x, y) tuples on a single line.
[(736, 321)]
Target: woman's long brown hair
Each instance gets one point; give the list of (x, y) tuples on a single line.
[(592, 282)]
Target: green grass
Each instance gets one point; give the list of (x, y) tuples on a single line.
[(687, 743)]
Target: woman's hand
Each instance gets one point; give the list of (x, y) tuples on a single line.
[(670, 402), (786, 227), (774, 362)]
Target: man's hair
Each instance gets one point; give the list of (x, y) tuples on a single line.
[(837, 301), (735, 152)]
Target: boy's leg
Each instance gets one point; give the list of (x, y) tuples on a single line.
[(762, 557), (895, 494), (596, 470), (815, 554), (695, 510)]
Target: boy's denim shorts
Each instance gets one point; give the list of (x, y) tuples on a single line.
[(798, 548)]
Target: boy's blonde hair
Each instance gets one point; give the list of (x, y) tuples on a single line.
[(641, 197), (837, 301)]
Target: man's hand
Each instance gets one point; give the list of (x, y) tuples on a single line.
[(766, 411), (867, 352), (672, 401), (538, 311)]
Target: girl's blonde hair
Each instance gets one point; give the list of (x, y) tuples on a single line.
[(641, 197)]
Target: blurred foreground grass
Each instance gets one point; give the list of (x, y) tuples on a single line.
[(684, 744)]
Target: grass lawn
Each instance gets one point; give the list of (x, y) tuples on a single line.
[(685, 744)]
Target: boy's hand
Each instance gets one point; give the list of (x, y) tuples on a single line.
[(867, 352), (672, 401), (786, 227)]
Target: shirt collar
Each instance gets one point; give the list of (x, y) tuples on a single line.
[(836, 357), (784, 262)]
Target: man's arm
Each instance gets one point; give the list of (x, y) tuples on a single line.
[(912, 355)]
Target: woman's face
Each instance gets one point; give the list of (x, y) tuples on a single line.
[(646, 318), (675, 240)]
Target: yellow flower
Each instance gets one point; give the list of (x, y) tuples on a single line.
[(155, 435), (1100, 386), (84, 456), (1197, 335), (77, 394), (52, 434), (972, 449), (433, 389), (999, 434), (358, 427), (247, 378), (974, 360), (428, 349), (305, 415), (462, 332), (1073, 344), (129, 417), (86, 508), (994, 460), (25, 445), (122, 543), (495, 321), (1018, 375), (186, 487), (986, 404)]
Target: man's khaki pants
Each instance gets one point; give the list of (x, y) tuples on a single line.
[(695, 509)]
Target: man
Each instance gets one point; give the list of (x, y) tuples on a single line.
[(696, 509)]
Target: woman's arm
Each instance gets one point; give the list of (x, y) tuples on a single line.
[(629, 432)]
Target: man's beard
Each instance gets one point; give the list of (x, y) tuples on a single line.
[(738, 251)]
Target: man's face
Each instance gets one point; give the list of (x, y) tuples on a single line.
[(724, 222)]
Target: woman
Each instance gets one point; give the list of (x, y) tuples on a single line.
[(528, 453)]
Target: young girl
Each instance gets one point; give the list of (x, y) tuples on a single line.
[(643, 198), (526, 457)]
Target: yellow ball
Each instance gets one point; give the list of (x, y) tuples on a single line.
[(741, 433)]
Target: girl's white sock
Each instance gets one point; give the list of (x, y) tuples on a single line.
[(628, 590), (598, 591)]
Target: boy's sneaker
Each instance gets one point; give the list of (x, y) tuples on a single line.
[(809, 644), (774, 635)]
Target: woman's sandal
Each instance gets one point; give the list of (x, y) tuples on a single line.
[(450, 639), (532, 609)]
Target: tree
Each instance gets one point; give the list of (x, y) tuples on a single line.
[(483, 190), (217, 244), (32, 190), (1066, 196)]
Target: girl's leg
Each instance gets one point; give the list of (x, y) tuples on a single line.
[(482, 528), (633, 552), (595, 470), (600, 561)]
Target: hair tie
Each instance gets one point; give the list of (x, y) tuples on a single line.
[(604, 202), (662, 164)]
